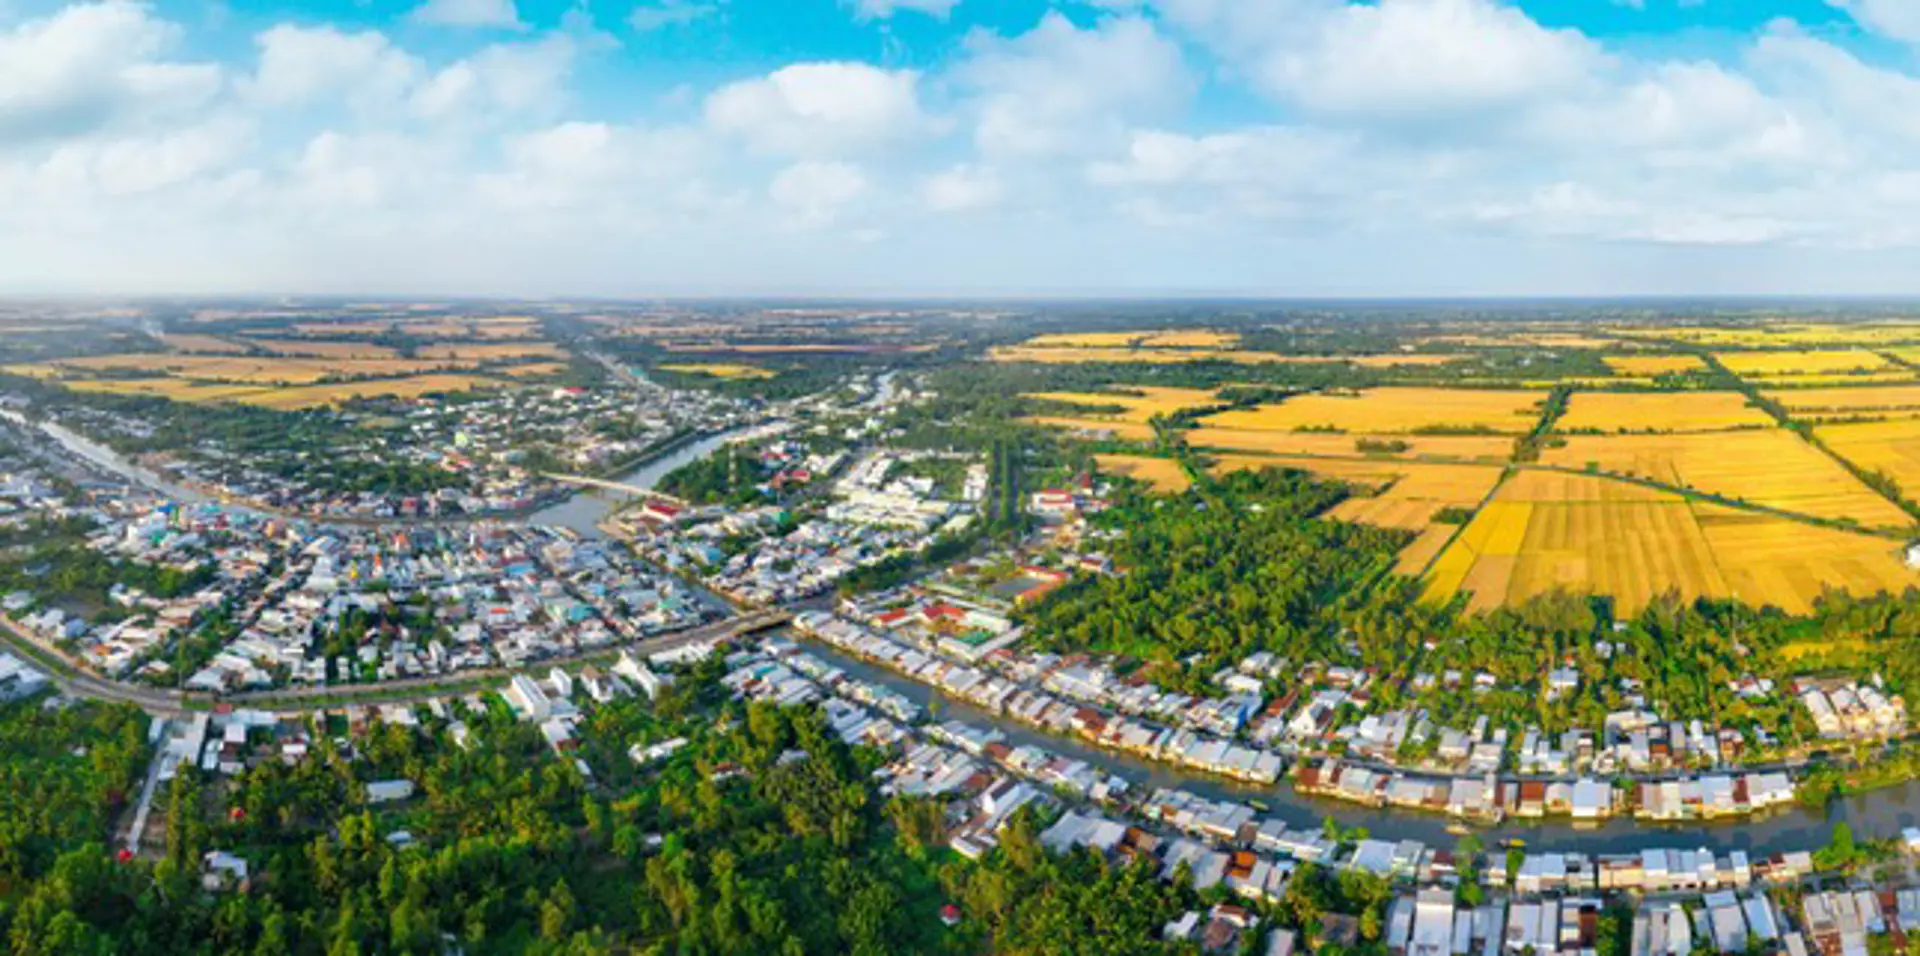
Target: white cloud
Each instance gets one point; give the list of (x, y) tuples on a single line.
[(961, 188), (669, 13), (1898, 19), (1418, 58), (501, 14), (90, 65), (883, 9), (816, 193), (301, 65), (501, 79), (1060, 89), (822, 109)]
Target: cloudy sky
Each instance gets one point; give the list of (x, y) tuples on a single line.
[(933, 147)]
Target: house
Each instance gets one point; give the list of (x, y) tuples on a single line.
[(222, 871), (389, 791)]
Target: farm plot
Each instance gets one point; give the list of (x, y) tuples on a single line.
[(1492, 448), (1882, 401), (1393, 411), (492, 352), (1592, 535), (722, 371), (1137, 407), (1647, 365), (201, 344), (1789, 363), (1891, 448), (1611, 412), (1771, 467), (1164, 474), (315, 396), (1408, 496), (250, 370), (328, 350)]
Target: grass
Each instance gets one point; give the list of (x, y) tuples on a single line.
[(1661, 412)]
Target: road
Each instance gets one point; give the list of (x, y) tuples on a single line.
[(73, 680)]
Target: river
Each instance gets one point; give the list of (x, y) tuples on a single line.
[(584, 511), (1881, 813)]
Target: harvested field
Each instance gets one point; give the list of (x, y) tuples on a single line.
[(172, 389), (1610, 412), (1868, 401), (202, 344), (251, 369), (531, 370), (1646, 365), (1546, 530), (1164, 474), (1409, 493), (495, 352), (1802, 362), (729, 372), (1772, 467), (1088, 355), (1085, 340), (1191, 339), (1392, 411), (1779, 334)]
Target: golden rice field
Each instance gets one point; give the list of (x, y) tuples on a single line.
[(1660, 412), (1392, 410), (254, 370), (1771, 466), (1863, 401), (1190, 339), (202, 344), (1085, 340), (1414, 558), (492, 352), (1648, 365), (1089, 355), (1586, 534), (1491, 448), (1409, 495), (172, 389), (1779, 334), (1164, 474), (306, 348), (1890, 447), (723, 371), (1803, 362), (531, 369), (315, 396), (1140, 403)]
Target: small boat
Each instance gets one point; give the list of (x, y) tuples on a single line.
[(1260, 805), (1458, 829), (1516, 844)]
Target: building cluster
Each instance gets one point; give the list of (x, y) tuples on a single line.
[(478, 450), (1847, 710)]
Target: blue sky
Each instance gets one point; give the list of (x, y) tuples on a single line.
[(969, 147)]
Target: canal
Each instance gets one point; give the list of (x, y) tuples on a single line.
[(1880, 813)]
